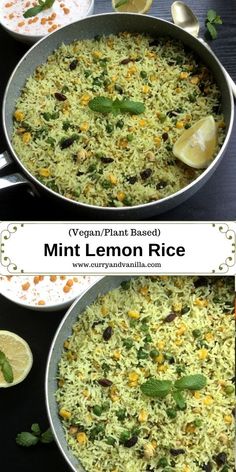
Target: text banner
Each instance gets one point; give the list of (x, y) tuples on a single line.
[(117, 248)]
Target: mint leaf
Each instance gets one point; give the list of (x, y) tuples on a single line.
[(134, 108), (106, 105), (212, 30), (6, 368), (26, 439), (35, 428), (33, 11), (2, 358), (179, 400), (218, 20), (38, 8), (47, 437), (191, 382), (211, 15), (101, 104), (120, 3), (7, 371), (156, 388)]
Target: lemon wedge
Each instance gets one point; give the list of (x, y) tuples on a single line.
[(18, 354), (196, 146), (135, 6)]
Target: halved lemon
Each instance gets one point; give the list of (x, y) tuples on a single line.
[(18, 354), (196, 146), (135, 6)]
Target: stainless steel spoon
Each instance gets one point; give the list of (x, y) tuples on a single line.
[(183, 16)]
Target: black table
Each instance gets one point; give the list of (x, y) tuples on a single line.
[(216, 201)]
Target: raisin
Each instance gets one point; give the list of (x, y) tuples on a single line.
[(126, 61), (105, 382), (60, 96), (165, 136), (177, 452), (131, 442), (107, 333), (73, 64), (132, 179), (145, 174), (221, 458), (107, 160), (170, 317)]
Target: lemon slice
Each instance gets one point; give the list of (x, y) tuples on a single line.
[(196, 145), (135, 6), (18, 354)]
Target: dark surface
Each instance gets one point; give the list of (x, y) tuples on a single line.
[(215, 201), (24, 403)]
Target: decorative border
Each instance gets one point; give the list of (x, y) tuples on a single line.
[(5, 235), (230, 234)]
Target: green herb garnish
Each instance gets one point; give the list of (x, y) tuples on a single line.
[(106, 105), (212, 19), (38, 8), (120, 3), (191, 382), (156, 388), (161, 388), (27, 439), (6, 368)]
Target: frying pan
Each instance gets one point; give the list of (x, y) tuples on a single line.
[(63, 332), (87, 28)]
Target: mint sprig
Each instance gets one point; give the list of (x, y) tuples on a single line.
[(106, 105), (161, 388), (6, 368), (213, 19), (38, 8), (28, 439)]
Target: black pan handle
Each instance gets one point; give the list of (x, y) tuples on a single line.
[(12, 179)]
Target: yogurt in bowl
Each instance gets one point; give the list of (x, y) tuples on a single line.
[(31, 29), (45, 293)]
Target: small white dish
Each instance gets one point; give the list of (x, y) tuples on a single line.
[(30, 30), (46, 294)]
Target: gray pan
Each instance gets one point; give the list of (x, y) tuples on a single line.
[(88, 28), (64, 330)]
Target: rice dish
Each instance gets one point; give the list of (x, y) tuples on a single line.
[(152, 333), (122, 157)]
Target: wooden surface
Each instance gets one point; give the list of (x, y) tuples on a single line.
[(215, 201)]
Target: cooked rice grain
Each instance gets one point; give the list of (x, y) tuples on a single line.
[(207, 306), (176, 88)]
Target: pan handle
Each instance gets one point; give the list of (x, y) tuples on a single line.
[(5, 161), (13, 179)]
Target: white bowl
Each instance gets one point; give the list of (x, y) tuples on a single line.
[(31, 39), (13, 292)]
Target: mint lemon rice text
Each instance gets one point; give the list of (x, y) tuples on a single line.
[(120, 152), (145, 382)]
